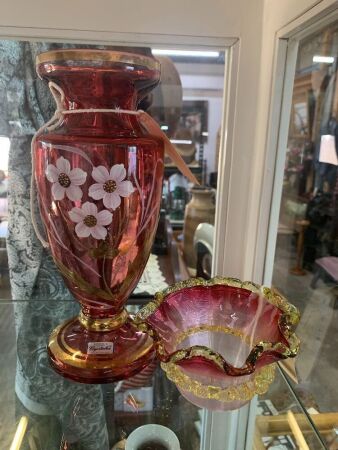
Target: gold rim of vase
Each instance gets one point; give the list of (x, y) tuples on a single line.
[(109, 56)]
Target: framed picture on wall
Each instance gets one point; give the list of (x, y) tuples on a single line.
[(302, 107), (194, 117)]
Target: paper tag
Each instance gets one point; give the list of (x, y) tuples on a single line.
[(100, 348), (152, 126)]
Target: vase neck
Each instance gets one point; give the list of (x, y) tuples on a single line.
[(105, 91), (202, 194), (99, 79)]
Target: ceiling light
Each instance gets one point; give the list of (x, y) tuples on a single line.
[(323, 59), (181, 141), (164, 127), (192, 53)]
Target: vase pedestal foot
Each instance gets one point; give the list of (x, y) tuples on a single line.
[(99, 356)]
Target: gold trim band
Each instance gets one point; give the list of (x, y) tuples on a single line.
[(98, 55), (259, 384), (75, 358), (213, 328), (105, 324)]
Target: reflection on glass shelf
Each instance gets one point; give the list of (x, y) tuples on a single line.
[(61, 414), (281, 423), (96, 417)]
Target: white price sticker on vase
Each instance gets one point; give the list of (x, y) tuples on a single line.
[(100, 348)]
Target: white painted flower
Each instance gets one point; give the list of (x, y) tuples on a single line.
[(65, 180), (89, 221), (110, 186)]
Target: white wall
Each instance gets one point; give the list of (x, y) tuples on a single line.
[(188, 18)]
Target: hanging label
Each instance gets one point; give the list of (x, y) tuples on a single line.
[(152, 126)]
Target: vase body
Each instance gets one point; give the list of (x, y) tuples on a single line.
[(99, 182), (200, 209)]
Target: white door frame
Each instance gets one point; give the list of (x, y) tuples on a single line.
[(285, 55), (285, 58)]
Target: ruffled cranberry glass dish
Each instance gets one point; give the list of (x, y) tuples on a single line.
[(99, 180), (218, 340)]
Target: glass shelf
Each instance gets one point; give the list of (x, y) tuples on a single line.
[(54, 413)]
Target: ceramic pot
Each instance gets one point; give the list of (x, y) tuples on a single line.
[(152, 436), (200, 209)]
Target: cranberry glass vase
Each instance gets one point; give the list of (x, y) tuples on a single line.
[(99, 179), (217, 340)]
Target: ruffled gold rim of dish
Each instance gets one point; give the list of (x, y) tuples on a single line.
[(259, 384), (289, 318)]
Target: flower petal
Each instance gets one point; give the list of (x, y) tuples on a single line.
[(100, 174), (96, 191), (98, 232), (77, 215), (89, 209), (82, 230), (118, 172), (125, 188), (63, 165), (58, 192), (52, 173), (104, 217), (77, 176), (111, 200), (74, 193)]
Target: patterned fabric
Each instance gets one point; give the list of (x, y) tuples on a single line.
[(25, 105), (152, 279)]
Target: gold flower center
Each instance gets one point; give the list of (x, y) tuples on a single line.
[(64, 180), (109, 186), (90, 221)]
